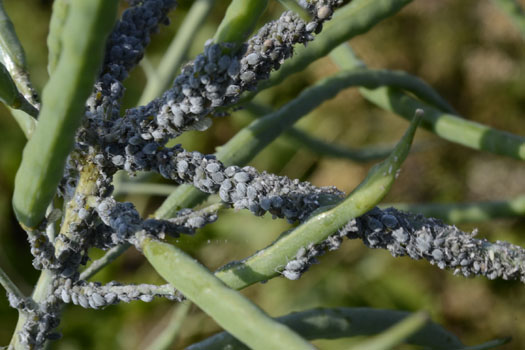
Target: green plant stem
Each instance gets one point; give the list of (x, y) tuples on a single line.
[(458, 213), (64, 97), (177, 51), (263, 265), (167, 337), (239, 21), (349, 21), (394, 335), (229, 308), (514, 11), (447, 126), (41, 292), (450, 127), (335, 323), (10, 286), (320, 147), (106, 259), (323, 148), (144, 188)]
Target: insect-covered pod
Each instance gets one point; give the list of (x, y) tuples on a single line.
[(84, 36)]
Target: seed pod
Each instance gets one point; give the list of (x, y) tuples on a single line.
[(63, 101), (239, 21)]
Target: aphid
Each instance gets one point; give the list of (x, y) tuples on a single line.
[(294, 265), (291, 275)]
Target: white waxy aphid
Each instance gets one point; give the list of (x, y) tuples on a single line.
[(241, 177), (213, 167), (293, 265), (146, 298), (291, 275), (437, 254), (98, 300), (301, 253), (83, 301), (65, 296), (110, 298), (74, 298), (83, 213)]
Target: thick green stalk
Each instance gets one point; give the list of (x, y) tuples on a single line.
[(349, 21), (177, 51), (239, 21), (395, 335), (56, 27), (263, 264), (227, 307), (44, 157)]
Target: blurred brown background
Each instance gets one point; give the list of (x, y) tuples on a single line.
[(467, 50)]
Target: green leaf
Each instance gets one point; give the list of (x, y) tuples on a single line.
[(64, 96), (394, 335), (344, 322)]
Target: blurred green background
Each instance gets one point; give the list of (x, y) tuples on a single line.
[(467, 50)]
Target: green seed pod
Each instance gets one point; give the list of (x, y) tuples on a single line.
[(10, 48), (54, 38), (239, 21), (83, 40)]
